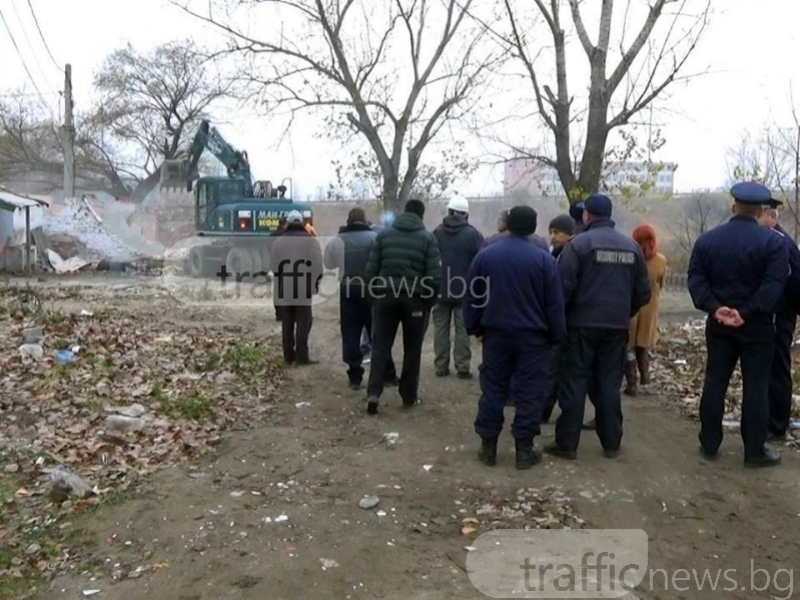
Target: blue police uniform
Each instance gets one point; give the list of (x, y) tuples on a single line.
[(605, 284), (780, 381), (515, 303), (743, 266)]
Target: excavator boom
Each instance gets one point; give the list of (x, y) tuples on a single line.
[(183, 173)]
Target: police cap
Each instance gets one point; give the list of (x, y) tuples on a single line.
[(599, 205), (750, 192)]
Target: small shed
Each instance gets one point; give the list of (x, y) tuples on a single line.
[(10, 202)]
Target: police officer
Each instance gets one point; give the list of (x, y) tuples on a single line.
[(515, 304), (605, 284), (780, 381), (737, 273)]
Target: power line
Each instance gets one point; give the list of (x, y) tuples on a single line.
[(27, 39), (22, 59), (44, 41)]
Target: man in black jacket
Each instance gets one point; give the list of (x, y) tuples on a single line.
[(459, 242), (348, 254), (404, 273), (780, 381), (605, 283)]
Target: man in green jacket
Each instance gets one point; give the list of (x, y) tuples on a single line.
[(403, 273)]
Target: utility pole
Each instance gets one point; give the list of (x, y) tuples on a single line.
[(68, 137)]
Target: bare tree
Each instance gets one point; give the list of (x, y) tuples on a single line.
[(391, 73), (31, 150), (700, 213), (149, 103), (772, 158), (614, 98)]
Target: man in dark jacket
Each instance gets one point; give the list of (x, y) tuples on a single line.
[(515, 305), (605, 283), (737, 275), (780, 381), (348, 254), (296, 261), (459, 242), (562, 229), (404, 274)]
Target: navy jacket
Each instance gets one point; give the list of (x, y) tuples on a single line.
[(740, 265), (349, 252), (605, 277), (459, 242), (514, 286), (789, 304)]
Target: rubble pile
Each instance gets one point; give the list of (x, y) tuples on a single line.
[(76, 222), (92, 401)]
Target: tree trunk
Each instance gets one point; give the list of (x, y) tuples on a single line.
[(391, 194), (146, 186), (596, 138)]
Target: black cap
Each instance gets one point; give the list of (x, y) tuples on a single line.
[(576, 211), (522, 220)]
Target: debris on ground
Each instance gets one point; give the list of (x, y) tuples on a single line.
[(104, 398), (678, 367)]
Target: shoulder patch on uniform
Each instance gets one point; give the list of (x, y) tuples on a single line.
[(614, 257)]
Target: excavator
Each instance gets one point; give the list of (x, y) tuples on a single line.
[(233, 214)]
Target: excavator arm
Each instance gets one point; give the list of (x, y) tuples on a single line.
[(179, 173)]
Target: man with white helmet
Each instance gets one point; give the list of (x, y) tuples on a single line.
[(459, 242)]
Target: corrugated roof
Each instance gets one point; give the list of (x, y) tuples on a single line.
[(11, 201)]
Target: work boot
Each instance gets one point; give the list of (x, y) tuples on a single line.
[(589, 425), (630, 377), (488, 452), (767, 459), (391, 381), (372, 405), (554, 449), (442, 372), (643, 362), (527, 455), (464, 375)]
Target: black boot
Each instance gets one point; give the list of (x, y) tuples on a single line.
[(527, 456), (488, 452), (767, 459), (554, 449)]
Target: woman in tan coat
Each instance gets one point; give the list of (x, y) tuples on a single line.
[(643, 332)]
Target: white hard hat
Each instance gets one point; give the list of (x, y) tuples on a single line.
[(458, 204), (294, 216)]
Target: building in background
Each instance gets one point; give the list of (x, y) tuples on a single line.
[(533, 178)]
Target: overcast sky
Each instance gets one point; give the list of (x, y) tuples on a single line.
[(751, 47)]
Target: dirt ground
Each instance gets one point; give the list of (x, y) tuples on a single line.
[(215, 527)]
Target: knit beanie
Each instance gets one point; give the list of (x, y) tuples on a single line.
[(564, 224)]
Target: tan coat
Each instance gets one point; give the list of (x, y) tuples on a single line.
[(644, 326)]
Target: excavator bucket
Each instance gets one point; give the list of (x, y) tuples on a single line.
[(173, 175)]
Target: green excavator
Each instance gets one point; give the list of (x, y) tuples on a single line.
[(234, 215)]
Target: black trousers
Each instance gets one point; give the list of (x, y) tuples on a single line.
[(388, 314), (754, 345), (552, 385), (592, 359), (780, 381), (296, 323), (521, 356), (355, 312)]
